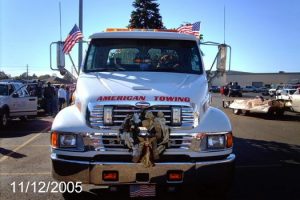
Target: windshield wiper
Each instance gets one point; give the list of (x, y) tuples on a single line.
[(110, 69)]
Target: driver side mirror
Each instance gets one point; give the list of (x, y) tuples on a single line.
[(60, 57)]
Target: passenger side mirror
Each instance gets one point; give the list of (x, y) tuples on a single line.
[(222, 58)]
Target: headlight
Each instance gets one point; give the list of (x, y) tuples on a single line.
[(176, 116), (215, 141), (108, 115), (67, 140)]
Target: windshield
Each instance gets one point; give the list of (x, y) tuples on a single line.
[(178, 56), (3, 90)]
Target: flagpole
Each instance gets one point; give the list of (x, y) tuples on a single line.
[(80, 41), (224, 23), (60, 20)]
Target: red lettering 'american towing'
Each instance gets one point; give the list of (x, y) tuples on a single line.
[(121, 98), (143, 98)]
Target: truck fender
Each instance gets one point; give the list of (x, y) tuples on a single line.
[(70, 120), (214, 120)]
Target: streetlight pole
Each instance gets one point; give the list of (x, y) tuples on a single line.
[(81, 29)]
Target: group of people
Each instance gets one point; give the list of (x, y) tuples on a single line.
[(56, 98)]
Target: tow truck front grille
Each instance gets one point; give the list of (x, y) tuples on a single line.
[(120, 112), (114, 143)]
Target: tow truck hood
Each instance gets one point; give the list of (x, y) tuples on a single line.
[(93, 86)]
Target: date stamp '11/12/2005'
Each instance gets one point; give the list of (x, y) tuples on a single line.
[(46, 187)]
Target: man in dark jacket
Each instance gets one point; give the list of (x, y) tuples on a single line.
[(49, 93)]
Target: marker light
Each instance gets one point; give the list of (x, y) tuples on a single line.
[(110, 176), (175, 175), (54, 139), (229, 140)]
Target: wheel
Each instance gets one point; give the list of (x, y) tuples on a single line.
[(245, 112), (236, 111), (279, 112), (4, 119), (23, 118)]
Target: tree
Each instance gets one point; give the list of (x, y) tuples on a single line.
[(146, 15), (3, 75), (44, 77)]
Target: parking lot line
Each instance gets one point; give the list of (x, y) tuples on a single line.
[(22, 145), (32, 145), (24, 174)]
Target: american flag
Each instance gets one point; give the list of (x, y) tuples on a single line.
[(142, 190), (74, 36), (190, 29)]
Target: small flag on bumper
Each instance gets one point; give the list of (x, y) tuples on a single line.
[(142, 190)]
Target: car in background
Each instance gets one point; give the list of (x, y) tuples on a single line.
[(276, 90), (285, 94), (214, 89), (15, 102), (263, 90), (235, 90), (249, 88)]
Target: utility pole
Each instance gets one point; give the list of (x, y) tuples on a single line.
[(27, 71), (81, 29)]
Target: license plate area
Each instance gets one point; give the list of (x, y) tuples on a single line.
[(142, 190)]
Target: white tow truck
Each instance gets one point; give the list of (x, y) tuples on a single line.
[(142, 116), (15, 102)]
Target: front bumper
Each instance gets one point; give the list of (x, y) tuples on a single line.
[(89, 172)]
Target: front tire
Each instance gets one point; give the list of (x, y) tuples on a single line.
[(236, 111), (3, 119)]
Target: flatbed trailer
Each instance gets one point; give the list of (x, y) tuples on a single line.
[(255, 105)]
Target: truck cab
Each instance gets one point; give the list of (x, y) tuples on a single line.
[(130, 81)]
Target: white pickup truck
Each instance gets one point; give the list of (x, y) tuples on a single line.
[(142, 116), (15, 102)]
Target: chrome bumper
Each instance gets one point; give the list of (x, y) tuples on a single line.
[(91, 172)]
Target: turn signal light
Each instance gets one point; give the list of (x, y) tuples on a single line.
[(54, 139), (110, 176), (229, 140), (175, 176)]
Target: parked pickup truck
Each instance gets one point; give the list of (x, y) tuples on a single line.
[(142, 116), (15, 102)]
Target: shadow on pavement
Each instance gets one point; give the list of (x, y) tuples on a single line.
[(19, 128), (266, 170), (287, 116), (7, 152)]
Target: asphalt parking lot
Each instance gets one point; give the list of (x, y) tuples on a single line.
[(267, 164)]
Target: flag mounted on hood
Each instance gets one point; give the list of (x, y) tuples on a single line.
[(74, 36)]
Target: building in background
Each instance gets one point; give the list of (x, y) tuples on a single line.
[(257, 79)]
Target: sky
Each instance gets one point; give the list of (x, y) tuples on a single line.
[(264, 34)]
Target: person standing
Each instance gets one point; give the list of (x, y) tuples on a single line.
[(67, 95), (49, 93), (62, 96)]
